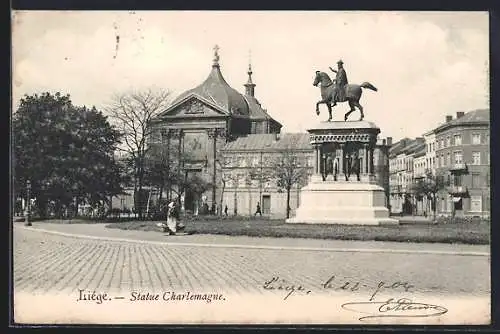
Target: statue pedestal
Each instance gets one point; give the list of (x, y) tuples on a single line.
[(342, 202)]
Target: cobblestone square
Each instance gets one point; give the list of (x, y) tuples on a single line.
[(51, 264)]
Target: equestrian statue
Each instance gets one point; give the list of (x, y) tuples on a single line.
[(339, 90)]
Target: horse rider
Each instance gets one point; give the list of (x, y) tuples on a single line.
[(340, 82)]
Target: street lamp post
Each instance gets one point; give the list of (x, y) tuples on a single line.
[(28, 203)]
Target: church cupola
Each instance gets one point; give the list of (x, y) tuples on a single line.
[(250, 86)]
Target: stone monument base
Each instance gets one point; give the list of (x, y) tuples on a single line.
[(342, 202)]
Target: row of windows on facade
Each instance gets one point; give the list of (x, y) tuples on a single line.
[(476, 204), (456, 140), (420, 167), (245, 180), (257, 161), (458, 159), (476, 180), (399, 163), (445, 204), (401, 179)]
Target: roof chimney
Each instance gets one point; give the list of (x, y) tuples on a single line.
[(389, 141), (460, 114), (448, 118)]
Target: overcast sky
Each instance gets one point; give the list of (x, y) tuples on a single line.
[(425, 65)]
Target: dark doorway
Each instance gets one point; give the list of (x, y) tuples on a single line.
[(266, 204), (407, 206), (189, 201), (458, 203)]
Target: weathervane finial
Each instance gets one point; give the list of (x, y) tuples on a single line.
[(249, 61), (216, 55)]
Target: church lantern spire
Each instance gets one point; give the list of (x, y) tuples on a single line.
[(216, 56), (250, 86)]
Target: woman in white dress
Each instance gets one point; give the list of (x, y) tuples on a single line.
[(172, 218)]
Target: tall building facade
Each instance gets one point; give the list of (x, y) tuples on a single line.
[(456, 151), (401, 174), (463, 156)]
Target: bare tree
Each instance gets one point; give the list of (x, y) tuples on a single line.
[(234, 178), (134, 115), (261, 173), (429, 187), (230, 174), (288, 171), (161, 169), (225, 176)]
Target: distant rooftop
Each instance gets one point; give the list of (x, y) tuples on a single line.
[(271, 142), (420, 151), (471, 117), (397, 147), (414, 146)]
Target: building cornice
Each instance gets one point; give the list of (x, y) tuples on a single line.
[(445, 127)]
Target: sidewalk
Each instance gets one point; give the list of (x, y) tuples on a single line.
[(407, 219), (101, 232)]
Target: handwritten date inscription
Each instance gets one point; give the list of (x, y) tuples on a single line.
[(346, 285)]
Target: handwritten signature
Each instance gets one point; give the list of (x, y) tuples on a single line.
[(395, 308)]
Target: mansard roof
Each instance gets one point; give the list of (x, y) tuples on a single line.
[(270, 142)]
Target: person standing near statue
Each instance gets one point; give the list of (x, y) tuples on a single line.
[(172, 215), (172, 218), (356, 165), (348, 166), (340, 83), (335, 168), (329, 166)]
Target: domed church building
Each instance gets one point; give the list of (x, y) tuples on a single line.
[(200, 121)]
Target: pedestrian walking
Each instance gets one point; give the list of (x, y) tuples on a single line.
[(258, 211), (225, 210)]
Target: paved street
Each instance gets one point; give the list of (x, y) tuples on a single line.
[(47, 263), (100, 231)]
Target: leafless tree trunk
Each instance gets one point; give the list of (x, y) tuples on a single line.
[(134, 115), (288, 171)]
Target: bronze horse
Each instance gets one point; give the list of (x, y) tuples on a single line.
[(352, 94)]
